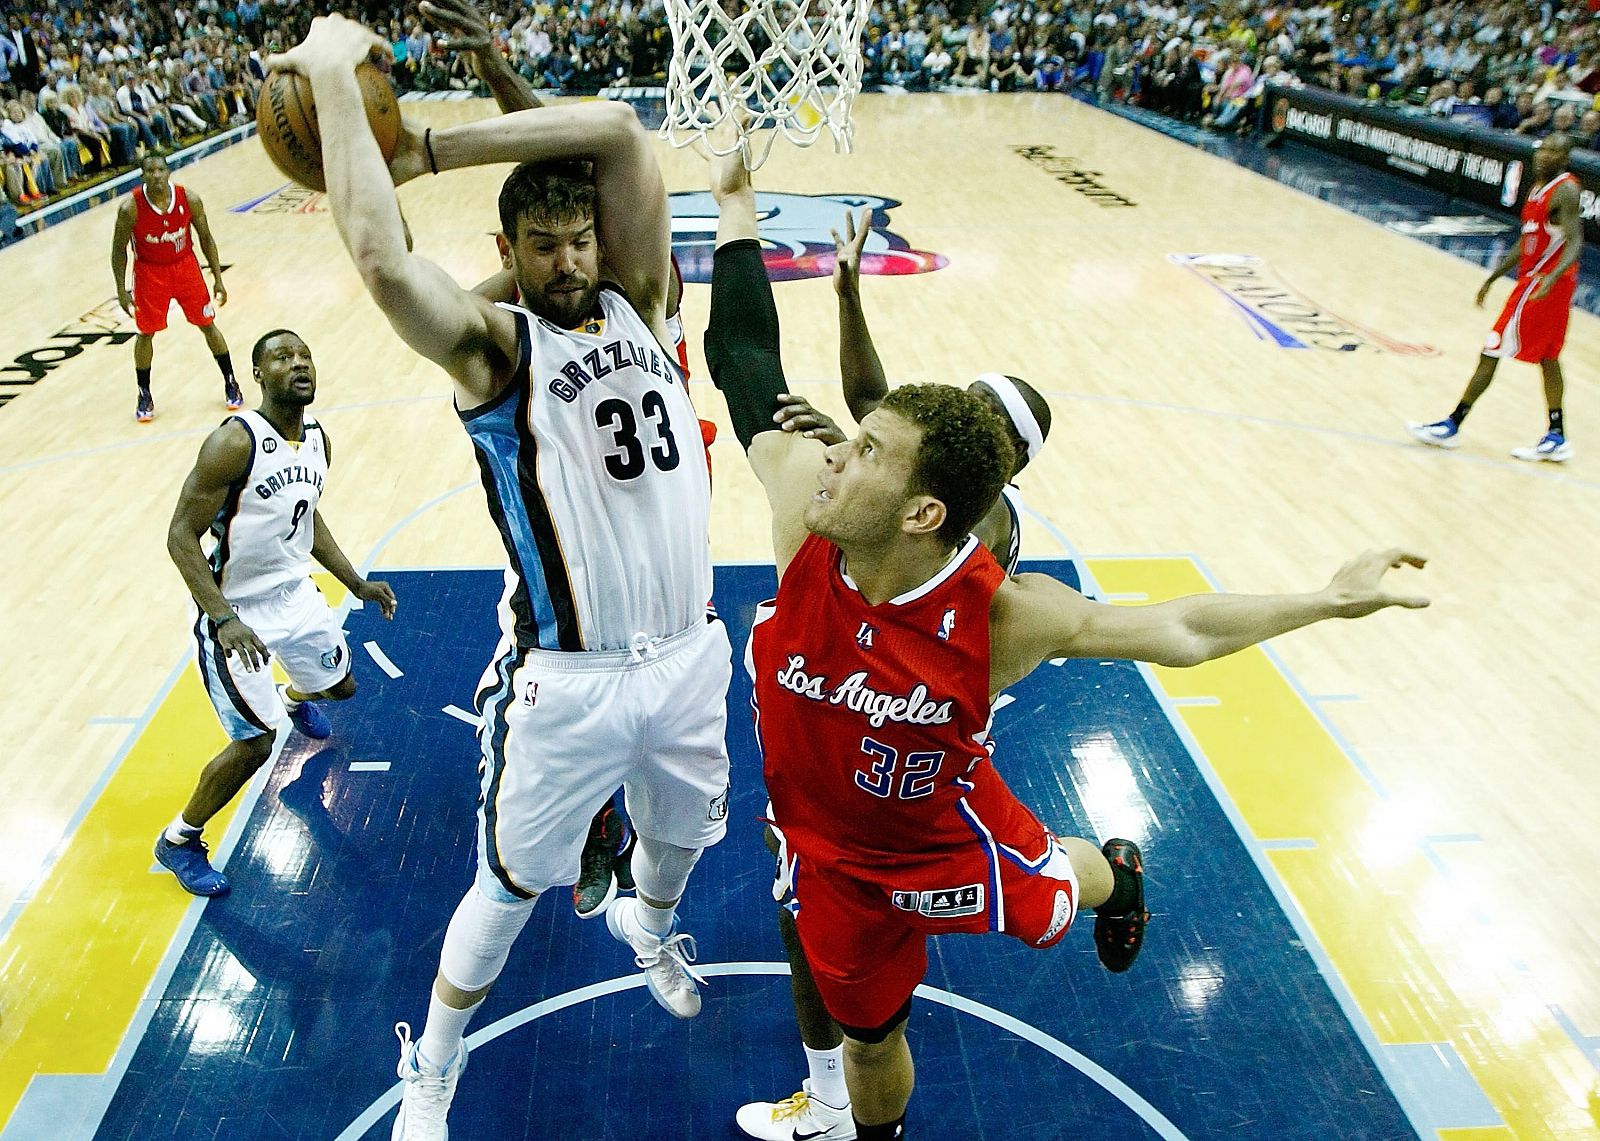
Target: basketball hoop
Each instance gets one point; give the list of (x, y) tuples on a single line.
[(744, 70)]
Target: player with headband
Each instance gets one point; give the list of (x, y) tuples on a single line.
[(821, 1109)]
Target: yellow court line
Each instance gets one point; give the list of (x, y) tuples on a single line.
[(85, 949), (1400, 934)]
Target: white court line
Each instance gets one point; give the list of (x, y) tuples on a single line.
[(375, 651), (1090, 1069), (369, 766), (461, 715)]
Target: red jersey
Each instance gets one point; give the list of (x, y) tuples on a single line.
[(1542, 243), (873, 720), (161, 237)]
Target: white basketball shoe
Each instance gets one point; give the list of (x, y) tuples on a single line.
[(427, 1096), (798, 1117), (673, 982)]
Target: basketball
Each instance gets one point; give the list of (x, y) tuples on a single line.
[(286, 120)]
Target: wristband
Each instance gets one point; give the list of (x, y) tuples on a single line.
[(229, 618), (427, 143)]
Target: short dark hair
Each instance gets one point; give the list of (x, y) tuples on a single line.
[(260, 349), (558, 191), (151, 156), (965, 454)]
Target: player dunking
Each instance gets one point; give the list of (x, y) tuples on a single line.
[(609, 672), (821, 1108), (875, 667), (605, 866), (1533, 325), (155, 220), (254, 491)]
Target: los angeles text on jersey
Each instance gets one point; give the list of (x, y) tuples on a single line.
[(603, 361), (288, 477), (914, 708)]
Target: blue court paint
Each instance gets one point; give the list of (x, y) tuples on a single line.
[(278, 1019)]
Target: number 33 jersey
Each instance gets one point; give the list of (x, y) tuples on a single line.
[(596, 478), (265, 528), (873, 720)]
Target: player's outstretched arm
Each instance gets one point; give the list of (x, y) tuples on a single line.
[(859, 367), (224, 459), (1035, 618), (435, 316), (631, 215), (461, 21), (742, 348)]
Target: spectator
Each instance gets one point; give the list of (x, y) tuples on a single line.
[(68, 164), (92, 130), (936, 65)]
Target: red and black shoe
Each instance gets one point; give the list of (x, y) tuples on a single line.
[(1118, 935)]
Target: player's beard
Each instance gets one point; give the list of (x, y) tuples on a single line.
[(565, 309)]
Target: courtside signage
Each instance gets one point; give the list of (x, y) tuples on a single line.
[(1276, 311)]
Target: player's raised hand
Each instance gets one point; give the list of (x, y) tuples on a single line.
[(376, 590), (847, 252), (464, 27), (236, 638), (796, 414), (334, 43), (1357, 590)]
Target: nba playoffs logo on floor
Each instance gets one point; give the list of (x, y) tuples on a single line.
[(797, 239), (1276, 311), (105, 324), (286, 199)]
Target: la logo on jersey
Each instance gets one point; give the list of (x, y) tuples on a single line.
[(947, 625), (865, 635), (914, 708)]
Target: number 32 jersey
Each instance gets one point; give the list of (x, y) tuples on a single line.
[(873, 721), (265, 530), (596, 478)]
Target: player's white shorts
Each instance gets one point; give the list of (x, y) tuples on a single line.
[(300, 632), (560, 732)]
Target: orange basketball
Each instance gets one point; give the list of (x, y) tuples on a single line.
[(286, 120)]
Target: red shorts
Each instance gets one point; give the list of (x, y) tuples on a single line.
[(156, 287), (867, 940), (1532, 330)]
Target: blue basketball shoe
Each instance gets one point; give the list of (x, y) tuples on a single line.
[(1439, 434), (310, 720), (190, 861), (1552, 449)]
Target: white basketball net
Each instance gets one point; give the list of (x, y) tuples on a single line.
[(740, 67)]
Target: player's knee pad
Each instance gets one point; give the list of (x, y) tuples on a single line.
[(661, 871), (479, 938)]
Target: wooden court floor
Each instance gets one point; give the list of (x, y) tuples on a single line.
[(1459, 903)]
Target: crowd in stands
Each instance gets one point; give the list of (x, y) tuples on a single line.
[(86, 88)]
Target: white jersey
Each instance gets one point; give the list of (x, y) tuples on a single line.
[(596, 478), (264, 530)]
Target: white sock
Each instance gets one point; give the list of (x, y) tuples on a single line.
[(181, 831), (443, 1033), (289, 705), (657, 920), (827, 1076)]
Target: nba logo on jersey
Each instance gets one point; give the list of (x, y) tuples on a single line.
[(530, 695), (947, 625), (865, 635), (906, 900)]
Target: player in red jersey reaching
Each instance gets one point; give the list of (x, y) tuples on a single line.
[(155, 220), (875, 667), (1533, 325)]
